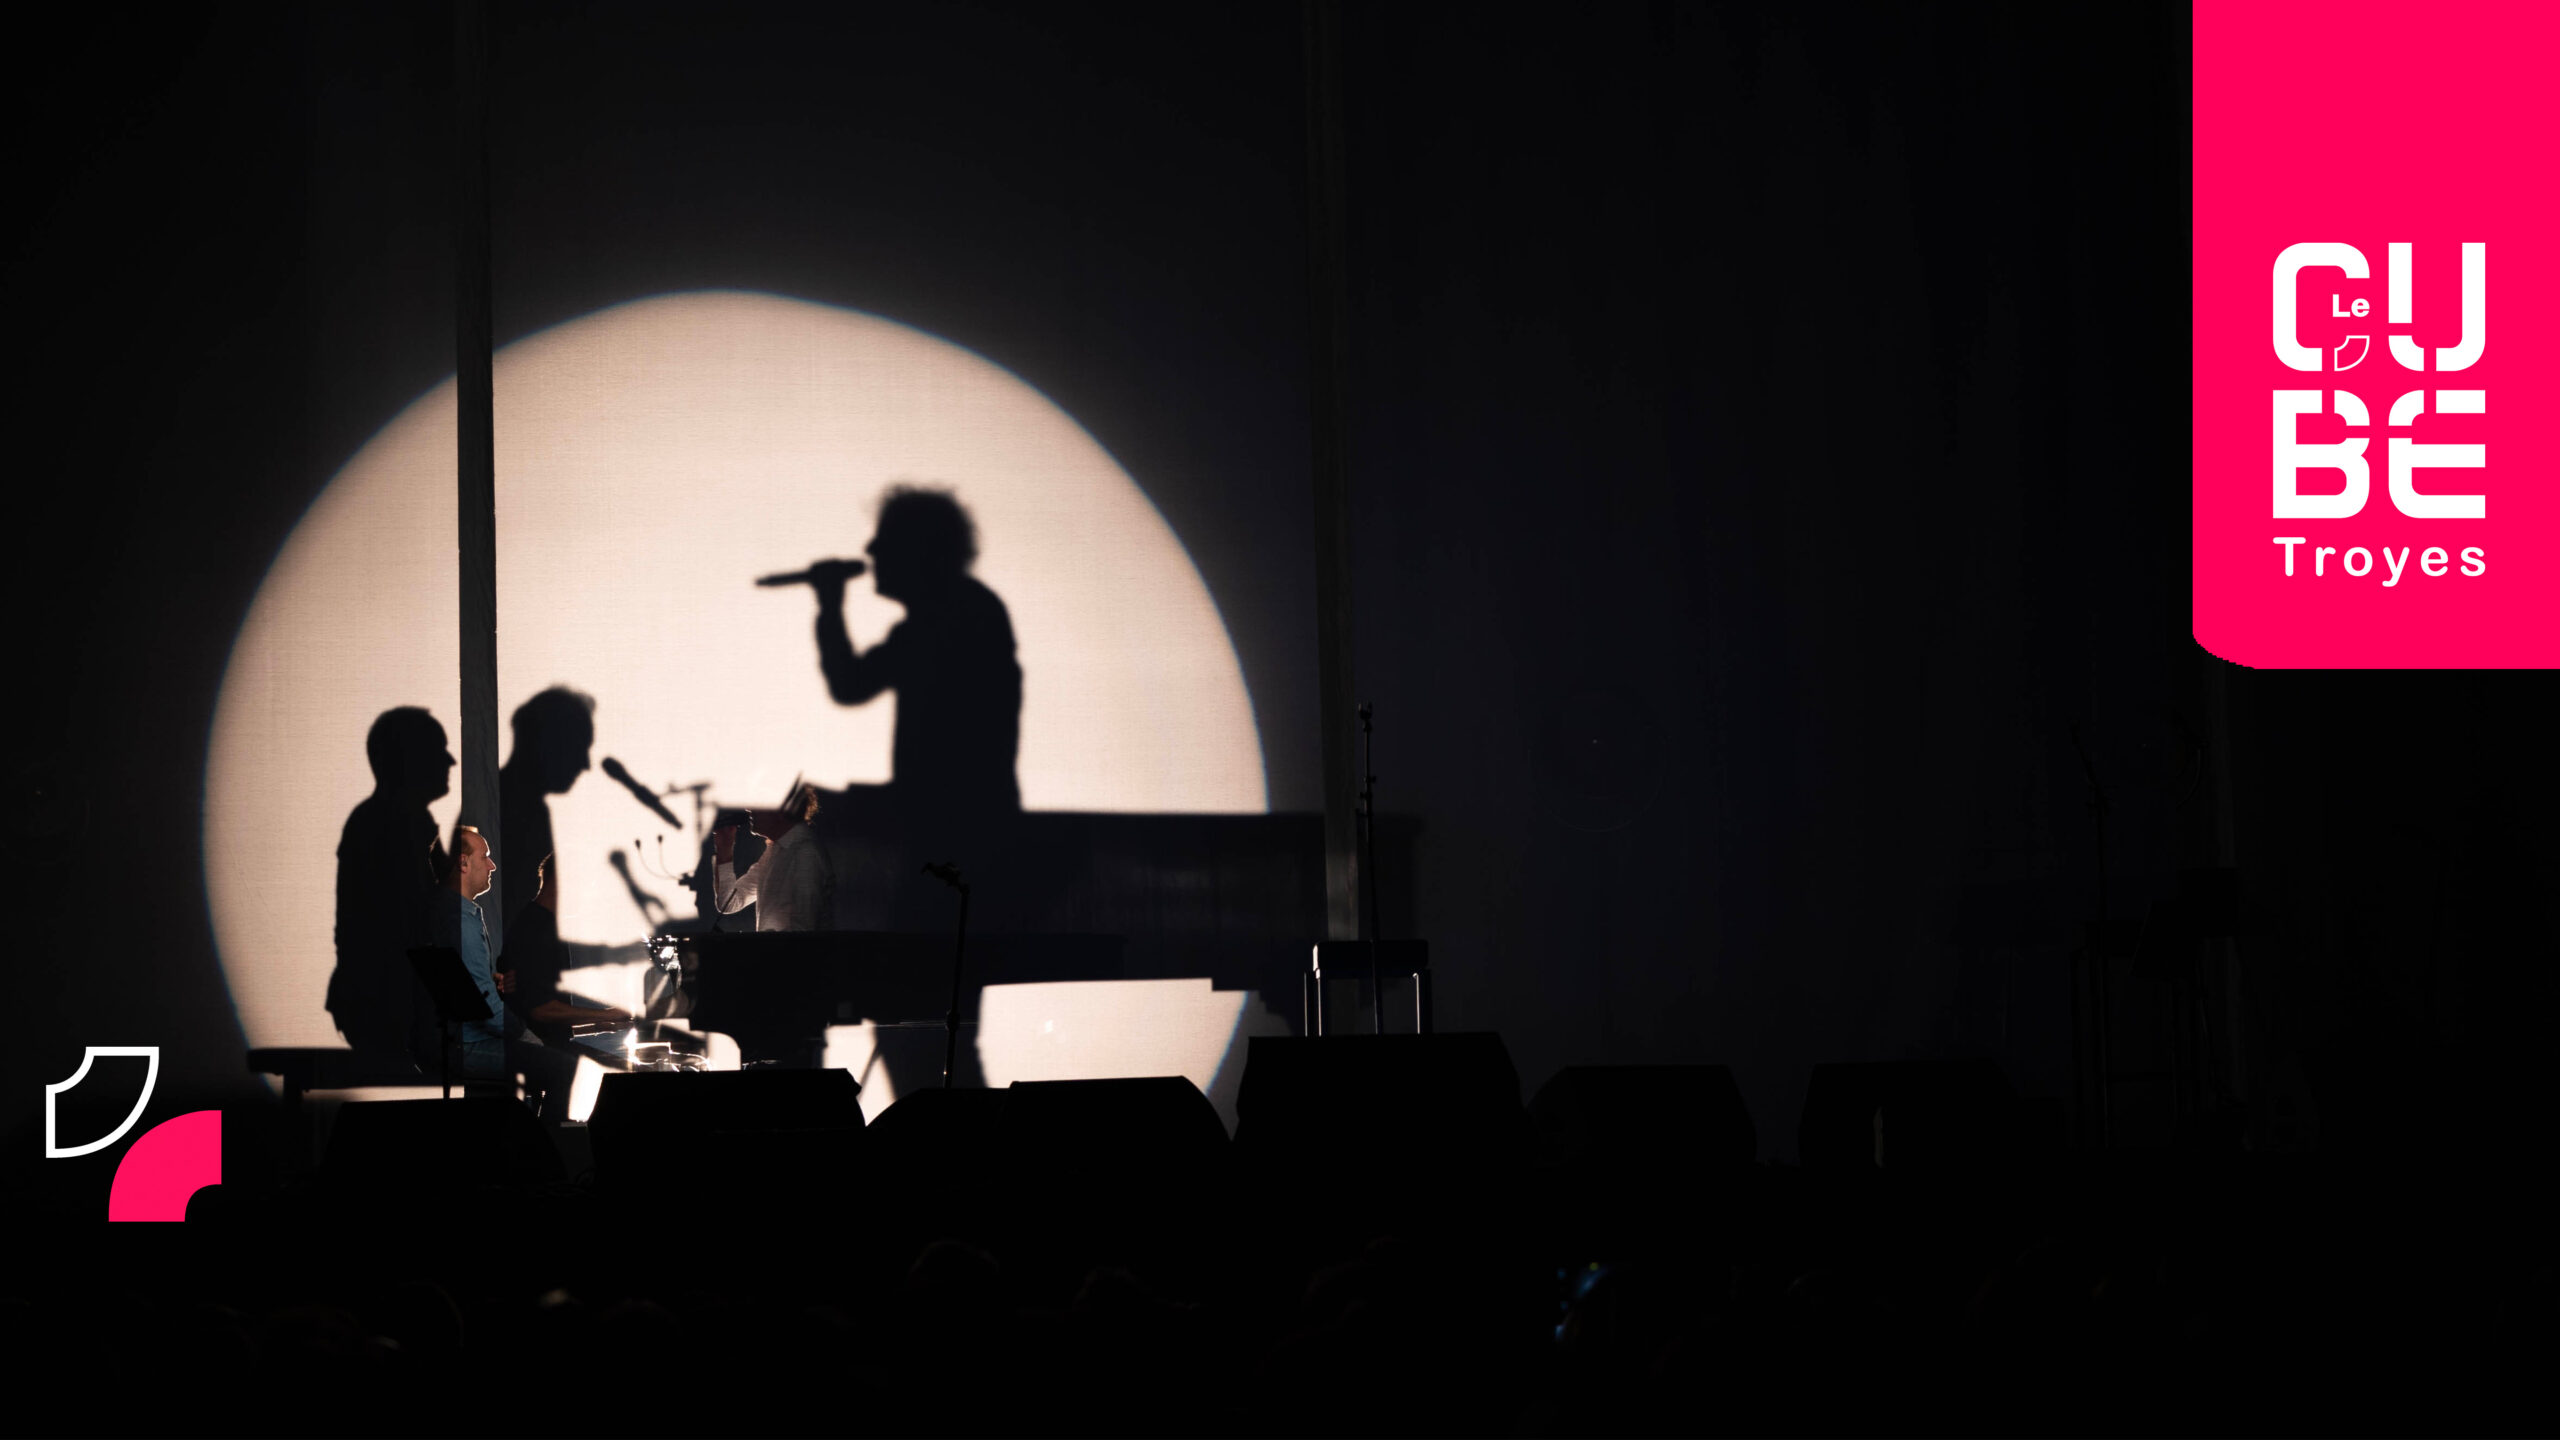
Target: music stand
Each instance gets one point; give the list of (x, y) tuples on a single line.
[(457, 996)]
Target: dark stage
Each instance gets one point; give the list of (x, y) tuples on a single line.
[(1682, 510)]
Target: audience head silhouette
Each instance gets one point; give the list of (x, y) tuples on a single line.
[(407, 750), (555, 732), (924, 540)]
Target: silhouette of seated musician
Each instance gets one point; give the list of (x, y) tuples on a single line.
[(555, 733), (529, 973), (500, 1045)]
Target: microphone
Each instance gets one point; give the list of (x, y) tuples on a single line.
[(811, 576), (613, 771), (948, 872)]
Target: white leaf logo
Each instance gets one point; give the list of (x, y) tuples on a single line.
[(89, 1057)]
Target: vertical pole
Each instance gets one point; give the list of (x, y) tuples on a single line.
[(475, 438), (1327, 362)]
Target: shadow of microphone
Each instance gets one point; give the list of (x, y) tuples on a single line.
[(614, 771), (823, 570)]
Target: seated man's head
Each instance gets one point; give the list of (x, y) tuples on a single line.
[(468, 868), (406, 748), (800, 808), (924, 541), (554, 733)]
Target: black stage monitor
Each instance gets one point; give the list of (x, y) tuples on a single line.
[(1154, 1122), (1644, 1117), (732, 1131), (1403, 1110), (436, 1147)]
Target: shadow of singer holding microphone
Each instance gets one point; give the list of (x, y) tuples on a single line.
[(951, 662), (952, 794)]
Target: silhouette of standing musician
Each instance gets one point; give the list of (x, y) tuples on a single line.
[(951, 662), (952, 793), (388, 859)]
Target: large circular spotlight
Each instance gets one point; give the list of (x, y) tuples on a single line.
[(653, 459)]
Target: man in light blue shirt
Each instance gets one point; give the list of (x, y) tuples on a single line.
[(497, 1047)]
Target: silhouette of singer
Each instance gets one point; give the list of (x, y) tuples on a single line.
[(951, 660)]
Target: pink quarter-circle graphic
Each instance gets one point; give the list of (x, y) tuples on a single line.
[(166, 1167)]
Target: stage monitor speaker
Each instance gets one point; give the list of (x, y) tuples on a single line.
[(1152, 1123), (736, 1129), (937, 1123), (1906, 1115), (936, 1148), (421, 1147), (1149, 1122), (1644, 1117), (1361, 1107)]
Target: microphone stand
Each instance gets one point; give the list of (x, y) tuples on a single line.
[(1368, 865), (949, 874)]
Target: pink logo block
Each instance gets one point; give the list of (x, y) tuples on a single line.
[(166, 1167), (2375, 298)]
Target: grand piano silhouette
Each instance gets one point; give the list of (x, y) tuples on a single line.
[(1236, 899)]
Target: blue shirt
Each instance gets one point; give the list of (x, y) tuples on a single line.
[(473, 942)]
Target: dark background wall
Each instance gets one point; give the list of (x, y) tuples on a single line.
[(1771, 451), (1768, 443)]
